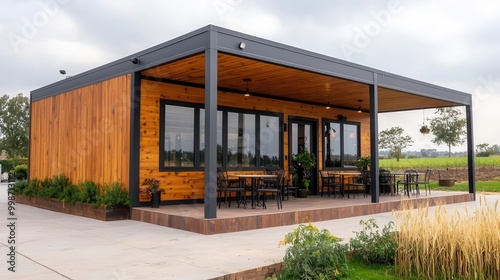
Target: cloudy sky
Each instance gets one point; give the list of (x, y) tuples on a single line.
[(454, 44)]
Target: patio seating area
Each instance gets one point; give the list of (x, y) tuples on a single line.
[(190, 217)]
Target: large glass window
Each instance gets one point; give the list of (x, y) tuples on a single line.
[(249, 139), (341, 144), (202, 138), (240, 139), (178, 136), (269, 141)]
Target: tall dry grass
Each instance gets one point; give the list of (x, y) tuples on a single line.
[(435, 244)]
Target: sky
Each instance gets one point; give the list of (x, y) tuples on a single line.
[(455, 44)]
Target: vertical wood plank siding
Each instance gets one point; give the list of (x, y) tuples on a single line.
[(189, 185), (83, 134)]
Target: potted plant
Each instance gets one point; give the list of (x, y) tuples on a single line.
[(153, 190), (300, 168), (363, 162)]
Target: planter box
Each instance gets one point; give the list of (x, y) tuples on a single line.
[(110, 213), (446, 182)]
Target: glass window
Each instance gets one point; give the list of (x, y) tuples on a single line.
[(202, 138), (244, 139), (332, 145), (341, 144), (240, 140), (350, 145), (269, 141), (179, 136)]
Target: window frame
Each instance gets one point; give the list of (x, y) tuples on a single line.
[(196, 141), (342, 142)]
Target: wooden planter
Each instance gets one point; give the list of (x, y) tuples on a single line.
[(446, 182), (110, 213)]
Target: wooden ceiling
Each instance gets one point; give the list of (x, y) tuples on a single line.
[(275, 81)]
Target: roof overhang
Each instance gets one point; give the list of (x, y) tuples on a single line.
[(277, 71)]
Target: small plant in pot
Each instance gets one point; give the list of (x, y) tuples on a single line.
[(300, 168), (363, 163)]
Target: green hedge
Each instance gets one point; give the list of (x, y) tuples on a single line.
[(60, 187)]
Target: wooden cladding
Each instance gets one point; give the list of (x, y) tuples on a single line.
[(83, 133), (190, 185)]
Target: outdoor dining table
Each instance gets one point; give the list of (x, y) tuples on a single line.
[(254, 178), (342, 178), (406, 176)]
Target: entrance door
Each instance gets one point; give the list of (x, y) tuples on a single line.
[(302, 133)]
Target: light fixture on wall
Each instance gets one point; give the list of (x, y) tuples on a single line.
[(242, 45), (247, 91), (359, 108)]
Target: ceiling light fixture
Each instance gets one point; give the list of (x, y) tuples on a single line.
[(328, 106), (247, 91), (359, 108)]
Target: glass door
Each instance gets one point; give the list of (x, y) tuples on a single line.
[(303, 135)]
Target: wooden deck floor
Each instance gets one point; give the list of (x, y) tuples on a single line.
[(190, 217)]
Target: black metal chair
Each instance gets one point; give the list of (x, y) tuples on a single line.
[(272, 186), (225, 187), (410, 182), (425, 182), (331, 182), (385, 181), (357, 184)]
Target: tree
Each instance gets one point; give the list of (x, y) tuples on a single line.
[(393, 140), (448, 128), (14, 125)]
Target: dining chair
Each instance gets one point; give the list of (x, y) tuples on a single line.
[(410, 181), (331, 182), (385, 181), (425, 182), (226, 187), (357, 184), (272, 186)]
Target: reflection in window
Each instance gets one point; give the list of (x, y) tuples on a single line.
[(179, 136), (332, 144), (241, 140), (269, 141), (341, 144), (244, 139), (202, 138), (350, 145)]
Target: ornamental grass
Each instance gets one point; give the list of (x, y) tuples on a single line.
[(441, 245)]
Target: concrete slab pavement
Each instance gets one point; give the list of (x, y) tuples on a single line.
[(51, 245)]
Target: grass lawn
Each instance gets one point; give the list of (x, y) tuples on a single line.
[(361, 271), (436, 163), (492, 186)]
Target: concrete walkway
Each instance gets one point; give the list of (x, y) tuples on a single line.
[(50, 245)]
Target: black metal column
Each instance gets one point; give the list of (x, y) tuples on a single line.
[(374, 188), (211, 128), (135, 122), (470, 151)]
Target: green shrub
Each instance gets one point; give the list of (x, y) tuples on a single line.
[(48, 189), (21, 171), (20, 186), (33, 188), (9, 164), (88, 192), (313, 254), (483, 154), (112, 195), (371, 246), (70, 194)]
